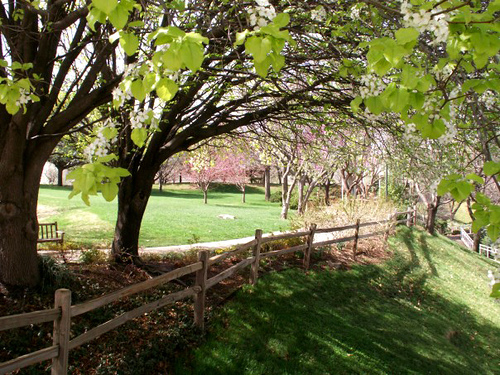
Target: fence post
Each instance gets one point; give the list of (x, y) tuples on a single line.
[(415, 215), (389, 226), (308, 250), (356, 237), (199, 298), (408, 217), (254, 273), (62, 328)]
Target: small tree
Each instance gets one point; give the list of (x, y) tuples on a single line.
[(204, 167), (237, 164), (170, 169)]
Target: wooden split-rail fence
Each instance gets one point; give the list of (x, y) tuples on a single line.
[(64, 311)]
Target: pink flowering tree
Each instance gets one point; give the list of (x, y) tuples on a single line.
[(237, 164), (204, 167)]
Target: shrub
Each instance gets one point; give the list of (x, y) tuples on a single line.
[(442, 226), (93, 256), (346, 212), (294, 200), (53, 275)]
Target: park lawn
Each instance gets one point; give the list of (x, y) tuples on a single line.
[(173, 217), (425, 311)]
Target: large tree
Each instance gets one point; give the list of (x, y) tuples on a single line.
[(54, 72), (223, 92)]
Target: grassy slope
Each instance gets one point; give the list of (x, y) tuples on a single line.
[(426, 311), (172, 217)]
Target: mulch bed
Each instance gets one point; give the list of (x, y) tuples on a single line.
[(147, 344)]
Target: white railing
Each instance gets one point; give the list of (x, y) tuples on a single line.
[(466, 238), (487, 251)]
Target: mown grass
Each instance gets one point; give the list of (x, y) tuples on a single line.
[(173, 217), (426, 311)]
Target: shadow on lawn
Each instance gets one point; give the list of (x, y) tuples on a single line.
[(371, 320)]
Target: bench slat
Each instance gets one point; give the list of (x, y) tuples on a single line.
[(48, 232)]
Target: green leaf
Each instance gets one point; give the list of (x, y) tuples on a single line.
[(149, 81), (464, 188), (281, 20), (493, 231), (258, 47), (109, 191), (136, 24), (491, 168), (394, 53), (409, 77), (407, 36), (476, 226), (425, 83), (172, 58), (482, 199), (374, 104), (139, 136), (262, 67), (432, 130), (197, 38), (121, 172), (119, 17), (129, 43), (166, 89), (240, 38), (192, 55), (399, 99), (12, 107), (495, 215), (278, 61), (474, 177), (355, 104), (138, 90), (105, 6), (444, 187)]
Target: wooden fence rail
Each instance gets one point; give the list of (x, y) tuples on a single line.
[(63, 311)]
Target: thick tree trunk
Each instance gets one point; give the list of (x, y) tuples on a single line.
[(477, 241), (205, 196), (267, 183), (432, 209), (19, 183), (132, 201), (18, 234), (60, 176), (243, 194)]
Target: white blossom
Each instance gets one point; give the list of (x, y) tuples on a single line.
[(140, 119), (262, 14), (99, 147), (24, 98), (319, 14), (489, 99), (424, 20), (373, 85)]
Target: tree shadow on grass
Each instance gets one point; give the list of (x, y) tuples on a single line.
[(365, 321)]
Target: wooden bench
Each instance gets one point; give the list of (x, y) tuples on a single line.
[(48, 232)]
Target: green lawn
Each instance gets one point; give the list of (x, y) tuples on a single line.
[(426, 311), (173, 217)]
